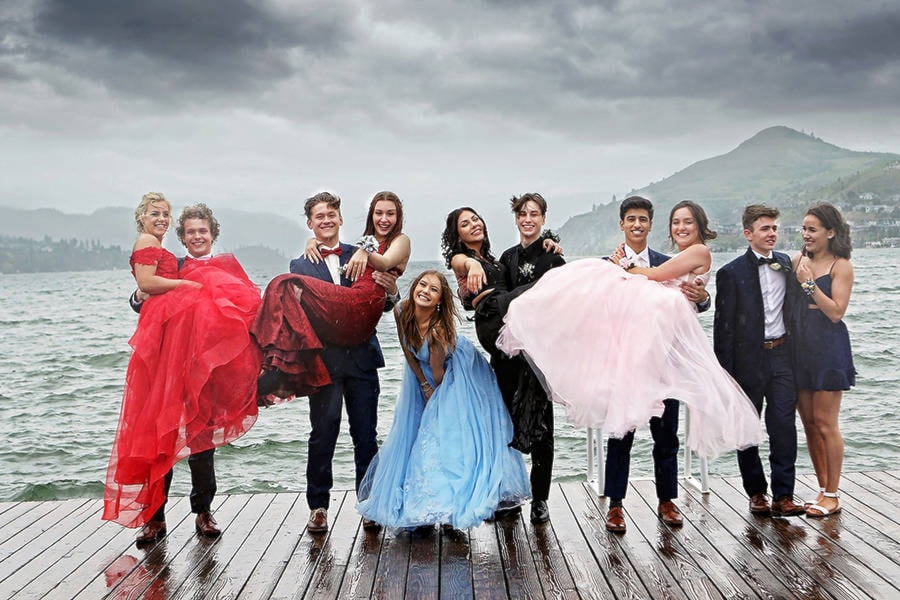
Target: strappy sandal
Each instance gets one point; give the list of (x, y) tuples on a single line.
[(809, 503), (817, 511)]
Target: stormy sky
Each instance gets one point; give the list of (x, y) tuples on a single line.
[(259, 104)]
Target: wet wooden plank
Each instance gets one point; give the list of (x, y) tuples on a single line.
[(359, 578), (301, 566), (885, 479), (735, 534), (217, 574), (54, 564), (16, 510), (111, 562), (345, 528), (843, 577), (620, 573), (423, 578), (39, 531), (574, 548), (135, 571), (488, 580), (550, 564), (640, 550), (691, 559), (288, 526), (393, 566), (518, 563), (885, 536)]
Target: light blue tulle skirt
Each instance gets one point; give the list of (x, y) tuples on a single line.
[(446, 461)]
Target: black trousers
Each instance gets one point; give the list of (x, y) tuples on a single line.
[(203, 483)]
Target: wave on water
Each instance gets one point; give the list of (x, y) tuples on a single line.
[(60, 489)]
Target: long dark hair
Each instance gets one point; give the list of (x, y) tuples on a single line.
[(452, 245), (699, 217), (398, 226), (832, 219), (441, 328)]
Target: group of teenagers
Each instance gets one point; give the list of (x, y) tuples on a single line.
[(615, 340)]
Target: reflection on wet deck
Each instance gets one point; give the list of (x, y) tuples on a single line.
[(63, 550)]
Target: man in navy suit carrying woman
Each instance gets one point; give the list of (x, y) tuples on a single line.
[(635, 221), (756, 296), (353, 369)]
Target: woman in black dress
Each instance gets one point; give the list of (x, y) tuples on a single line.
[(824, 363), (487, 286)]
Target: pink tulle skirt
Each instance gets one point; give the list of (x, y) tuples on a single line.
[(611, 346)]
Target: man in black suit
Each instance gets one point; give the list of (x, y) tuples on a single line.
[(756, 296), (197, 229), (635, 221), (353, 370)]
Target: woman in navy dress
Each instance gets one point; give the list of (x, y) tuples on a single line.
[(824, 366)]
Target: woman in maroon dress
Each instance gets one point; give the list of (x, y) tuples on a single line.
[(300, 312)]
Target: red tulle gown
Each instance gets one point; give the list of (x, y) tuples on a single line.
[(301, 313), (191, 381)]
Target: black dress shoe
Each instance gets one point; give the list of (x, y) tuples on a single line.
[(152, 531), (539, 512)]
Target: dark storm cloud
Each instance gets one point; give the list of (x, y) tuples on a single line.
[(212, 46), (571, 68)]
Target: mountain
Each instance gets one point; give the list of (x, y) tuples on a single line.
[(778, 166), (114, 226)]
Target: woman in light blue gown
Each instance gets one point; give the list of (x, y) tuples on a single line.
[(446, 459)]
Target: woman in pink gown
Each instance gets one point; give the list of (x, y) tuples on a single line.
[(612, 341)]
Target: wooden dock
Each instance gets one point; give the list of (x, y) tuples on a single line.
[(61, 550)]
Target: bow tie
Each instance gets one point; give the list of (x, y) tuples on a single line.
[(766, 261), (328, 252)]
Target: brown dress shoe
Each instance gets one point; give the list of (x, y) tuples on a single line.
[(670, 514), (615, 520), (206, 525), (759, 504), (785, 507), (318, 521), (151, 532)]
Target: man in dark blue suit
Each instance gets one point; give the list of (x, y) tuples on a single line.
[(756, 296), (353, 370), (636, 220)]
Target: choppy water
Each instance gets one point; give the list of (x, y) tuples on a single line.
[(64, 350)]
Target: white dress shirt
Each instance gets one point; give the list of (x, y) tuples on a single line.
[(772, 284), (641, 259), (333, 262)]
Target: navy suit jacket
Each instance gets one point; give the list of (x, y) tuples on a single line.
[(354, 361), (739, 329)]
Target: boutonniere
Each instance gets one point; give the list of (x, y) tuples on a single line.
[(526, 270), (627, 263), (776, 266)]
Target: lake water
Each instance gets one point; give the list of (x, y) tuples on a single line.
[(64, 350)]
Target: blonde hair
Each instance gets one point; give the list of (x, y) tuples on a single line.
[(141, 210)]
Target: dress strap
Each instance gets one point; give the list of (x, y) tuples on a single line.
[(831, 268)]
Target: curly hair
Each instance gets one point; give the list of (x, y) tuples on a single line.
[(398, 226), (451, 245), (832, 220), (146, 200), (198, 211), (442, 326), (700, 219)]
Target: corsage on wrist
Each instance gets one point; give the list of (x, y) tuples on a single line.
[(627, 263), (368, 243), (808, 286)]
